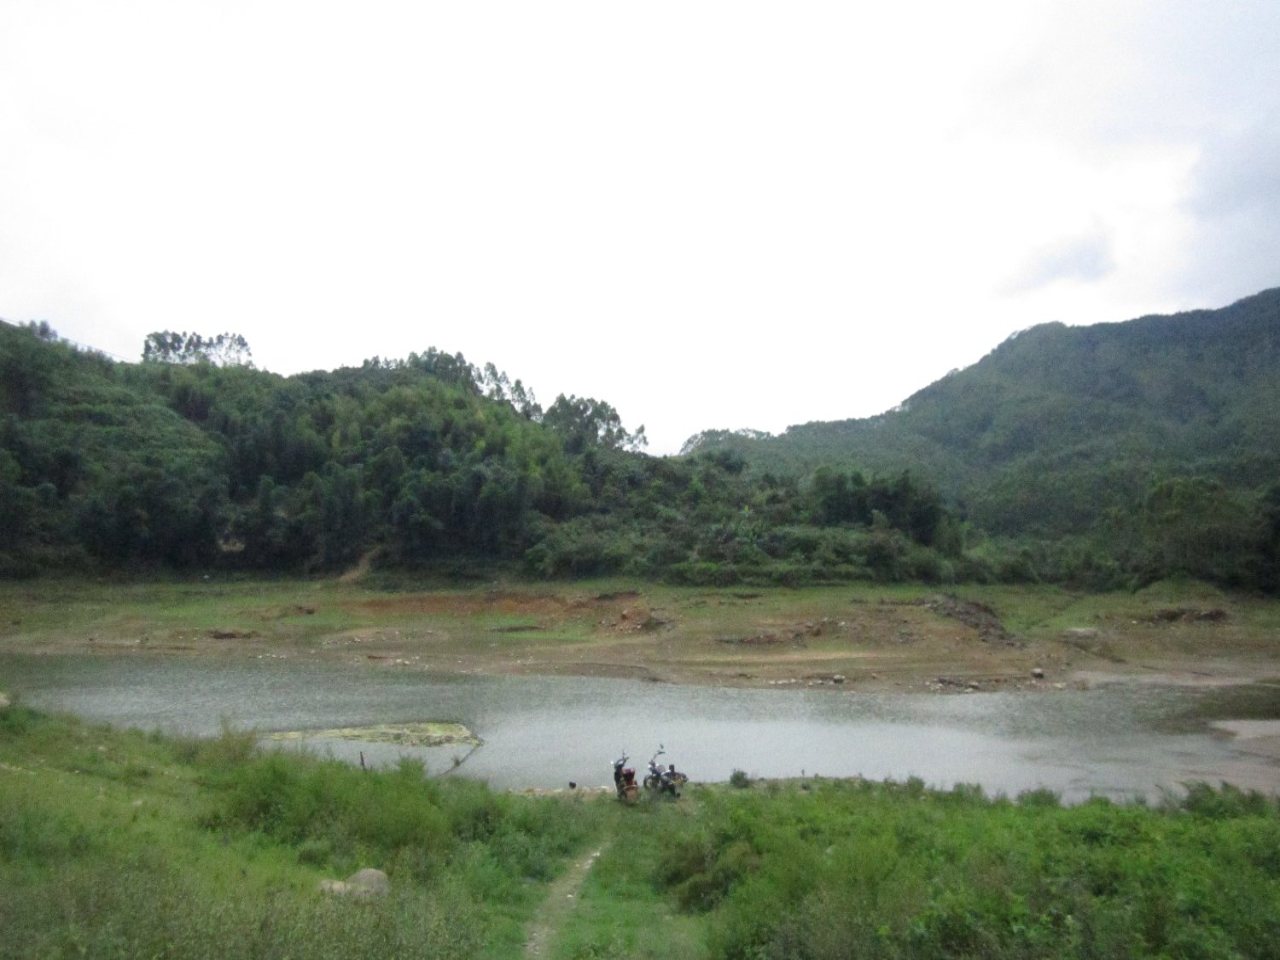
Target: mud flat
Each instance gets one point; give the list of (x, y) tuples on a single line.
[(1258, 737), (863, 637)]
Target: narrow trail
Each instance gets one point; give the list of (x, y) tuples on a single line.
[(357, 573), (562, 897)]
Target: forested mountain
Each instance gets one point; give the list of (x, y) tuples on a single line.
[(194, 459), (1062, 431), (1099, 455)]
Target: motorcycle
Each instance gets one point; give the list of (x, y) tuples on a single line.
[(660, 782), (624, 780)]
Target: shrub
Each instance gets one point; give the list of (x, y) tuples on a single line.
[(1040, 797), (1226, 802), (16, 719)]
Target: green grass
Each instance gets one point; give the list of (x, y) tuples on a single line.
[(121, 844), (858, 869), (620, 911), (124, 844), (37, 609)]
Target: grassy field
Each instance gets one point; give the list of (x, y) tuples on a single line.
[(870, 636), (119, 844), (122, 844)]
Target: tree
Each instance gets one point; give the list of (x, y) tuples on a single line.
[(224, 350), (42, 331), (584, 423), (1196, 527), (1269, 552)]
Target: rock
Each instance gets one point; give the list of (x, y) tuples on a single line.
[(978, 616), (4, 701), (1080, 633), (369, 882), (1038, 673), (362, 884), (1186, 615), (838, 678)]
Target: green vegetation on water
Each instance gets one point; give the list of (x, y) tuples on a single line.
[(123, 844)]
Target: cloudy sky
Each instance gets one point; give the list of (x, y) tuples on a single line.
[(735, 214)]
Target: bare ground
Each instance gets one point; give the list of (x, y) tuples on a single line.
[(839, 638)]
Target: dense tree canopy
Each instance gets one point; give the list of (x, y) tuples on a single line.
[(191, 459)]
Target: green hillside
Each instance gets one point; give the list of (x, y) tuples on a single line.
[(423, 463), (1060, 427), (1102, 456)]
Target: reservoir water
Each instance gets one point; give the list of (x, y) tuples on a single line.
[(1119, 740)]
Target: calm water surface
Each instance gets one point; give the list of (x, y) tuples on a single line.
[(1118, 740)]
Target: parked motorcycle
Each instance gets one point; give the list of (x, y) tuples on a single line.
[(624, 780), (663, 781)]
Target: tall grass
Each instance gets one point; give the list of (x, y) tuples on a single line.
[(885, 870), (154, 912), (211, 848), (117, 844)]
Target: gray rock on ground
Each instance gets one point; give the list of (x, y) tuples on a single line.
[(361, 884)]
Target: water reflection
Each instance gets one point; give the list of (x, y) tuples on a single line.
[(1119, 740)]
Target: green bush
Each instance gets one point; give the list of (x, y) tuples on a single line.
[(296, 800), (1225, 802), (39, 836)]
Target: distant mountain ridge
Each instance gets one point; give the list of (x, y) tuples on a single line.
[(1059, 424)]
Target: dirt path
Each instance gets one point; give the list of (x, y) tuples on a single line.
[(357, 573), (562, 897)]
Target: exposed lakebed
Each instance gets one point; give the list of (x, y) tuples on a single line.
[(1116, 739)]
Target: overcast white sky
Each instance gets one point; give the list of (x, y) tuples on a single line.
[(734, 214)]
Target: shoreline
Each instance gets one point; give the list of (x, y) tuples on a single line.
[(859, 638)]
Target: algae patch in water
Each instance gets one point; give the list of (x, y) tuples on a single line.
[(402, 734)]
